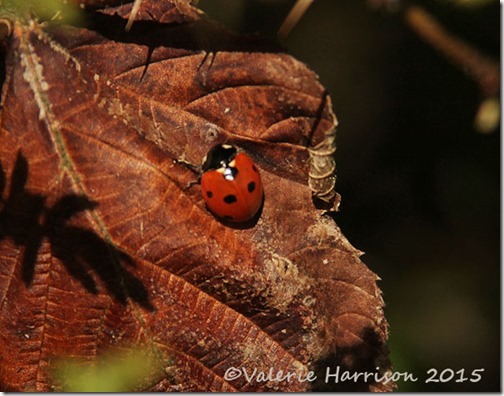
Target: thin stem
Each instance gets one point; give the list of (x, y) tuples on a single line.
[(292, 19), (133, 14), (484, 70)]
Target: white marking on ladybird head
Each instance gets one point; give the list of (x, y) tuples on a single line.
[(228, 174)]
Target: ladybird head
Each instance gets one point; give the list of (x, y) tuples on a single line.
[(219, 156)]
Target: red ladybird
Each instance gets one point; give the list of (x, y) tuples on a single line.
[(231, 184)]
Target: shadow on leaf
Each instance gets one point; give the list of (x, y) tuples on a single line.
[(203, 34), (345, 370), (28, 222)]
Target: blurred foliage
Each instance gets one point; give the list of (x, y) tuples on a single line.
[(488, 116), (44, 10), (112, 372)]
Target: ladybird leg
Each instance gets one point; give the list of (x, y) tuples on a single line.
[(193, 182), (195, 168), (190, 165)]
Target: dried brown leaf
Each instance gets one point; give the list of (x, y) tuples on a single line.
[(104, 243)]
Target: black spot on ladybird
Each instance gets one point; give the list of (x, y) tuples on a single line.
[(251, 187), (209, 194), (254, 168), (229, 199)]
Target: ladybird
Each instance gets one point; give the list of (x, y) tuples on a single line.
[(231, 184)]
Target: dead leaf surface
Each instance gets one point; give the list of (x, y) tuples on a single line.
[(104, 245)]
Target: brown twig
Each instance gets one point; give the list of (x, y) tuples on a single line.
[(133, 14), (484, 70), (294, 16)]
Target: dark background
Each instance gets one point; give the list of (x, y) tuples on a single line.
[(420, 186)]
